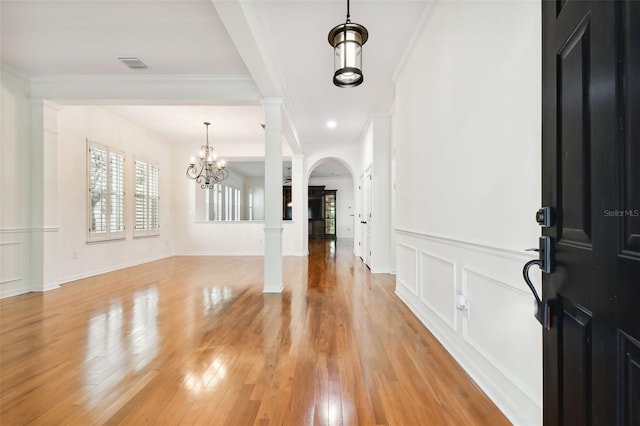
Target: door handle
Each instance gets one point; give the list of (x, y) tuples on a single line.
[(544, 249), (545, 262)]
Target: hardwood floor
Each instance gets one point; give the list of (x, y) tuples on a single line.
[(193, 340)]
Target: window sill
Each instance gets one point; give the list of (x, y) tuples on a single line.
[(106, 240)]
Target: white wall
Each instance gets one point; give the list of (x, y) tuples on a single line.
[(467, 153), (344, 202), (77, 258), (15, 185)]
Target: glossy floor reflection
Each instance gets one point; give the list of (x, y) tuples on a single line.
[(193, 340)]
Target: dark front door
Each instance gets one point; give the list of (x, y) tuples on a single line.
[(591, 179)]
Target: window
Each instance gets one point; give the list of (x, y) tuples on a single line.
[(106, 192), (222, 202), (147, 212)]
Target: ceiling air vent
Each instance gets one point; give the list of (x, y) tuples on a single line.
[(134, 63)]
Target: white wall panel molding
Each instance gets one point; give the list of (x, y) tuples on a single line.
[(10, 280), (10, 261), (514, 315), (12, 268), (496, 339), (438, 286), (484, 248), (408, 271), (29, 230)]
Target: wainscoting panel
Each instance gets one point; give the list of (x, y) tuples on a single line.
[(438, 287), (13, 269), (407, 274), (500, 326), (499, 343)]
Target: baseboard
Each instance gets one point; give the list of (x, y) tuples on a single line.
[(222, 254), (72, 278)]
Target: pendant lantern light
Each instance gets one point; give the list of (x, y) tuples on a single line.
[(347, 40)]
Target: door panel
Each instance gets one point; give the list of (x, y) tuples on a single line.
[(631, 168), (573, 120), (576, 368), (630, 380), (591, 179)]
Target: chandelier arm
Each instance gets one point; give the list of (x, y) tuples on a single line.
[(192, 171)]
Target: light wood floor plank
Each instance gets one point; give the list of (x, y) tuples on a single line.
[(193, 340)]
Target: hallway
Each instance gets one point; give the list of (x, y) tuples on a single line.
[(193, 340)]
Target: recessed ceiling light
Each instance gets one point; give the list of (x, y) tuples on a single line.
[(331, 124), (134, 63)]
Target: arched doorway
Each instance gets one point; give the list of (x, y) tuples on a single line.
[(332, 200)]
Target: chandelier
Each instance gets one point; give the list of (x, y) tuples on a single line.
[(347, 40), (207, 171)]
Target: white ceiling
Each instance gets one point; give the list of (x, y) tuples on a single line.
[(86, 37), (287, 40)]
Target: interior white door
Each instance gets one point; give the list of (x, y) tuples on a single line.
[(367, 219), (358, 226)]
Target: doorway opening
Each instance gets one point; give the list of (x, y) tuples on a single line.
[(331, 201)]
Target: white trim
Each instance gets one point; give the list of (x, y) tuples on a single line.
[(422, 22), (480, 247), (219, 254), (29, 230), (71, 278), (380, 270), (272, 289), (453, 323), (273, 230)]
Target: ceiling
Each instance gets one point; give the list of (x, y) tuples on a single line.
[(281, 45), (254, 169)]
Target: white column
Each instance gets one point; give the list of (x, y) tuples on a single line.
[(44, 273), (273, 196)]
